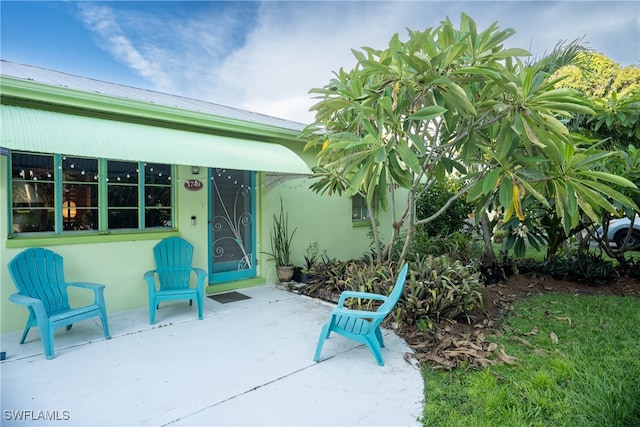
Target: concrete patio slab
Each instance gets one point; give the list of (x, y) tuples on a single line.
[(246, 363)]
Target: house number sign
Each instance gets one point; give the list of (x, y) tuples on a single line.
[(193, 185)]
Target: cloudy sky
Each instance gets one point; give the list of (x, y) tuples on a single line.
[(265, 56)]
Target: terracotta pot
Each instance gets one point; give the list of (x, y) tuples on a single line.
[(285, 272)]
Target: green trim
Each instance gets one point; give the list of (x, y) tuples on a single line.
[(361, 223), (28, 241), (216, 288), (102, 207), (32, 94)]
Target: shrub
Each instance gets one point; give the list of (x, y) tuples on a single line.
[(587, 268), (436, 288), (452, 220), (459, 245), (326, 278), (440, 288)]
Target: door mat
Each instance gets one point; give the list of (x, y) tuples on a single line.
[(229, 297)]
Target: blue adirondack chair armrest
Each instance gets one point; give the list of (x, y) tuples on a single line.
[(97, 288), (87, 285), (364, 314), (34, 303), (24, 300), (200, 273), (148, 275), (362, 295)]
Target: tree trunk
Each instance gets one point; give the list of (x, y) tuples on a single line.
[(489, 257)]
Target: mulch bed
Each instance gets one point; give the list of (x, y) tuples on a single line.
[(449, 345)]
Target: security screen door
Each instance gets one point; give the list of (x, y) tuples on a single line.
[(233, 228)]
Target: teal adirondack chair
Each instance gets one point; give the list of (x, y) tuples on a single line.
[(39, 276), (359, 325), (173, 271)]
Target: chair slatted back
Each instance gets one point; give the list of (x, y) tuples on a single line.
[(38, 273), (173, 263), (395, 294)]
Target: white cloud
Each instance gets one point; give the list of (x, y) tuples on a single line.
[(103, 22), (286, 48)]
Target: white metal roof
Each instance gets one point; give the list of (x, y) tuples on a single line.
[(70, 81)]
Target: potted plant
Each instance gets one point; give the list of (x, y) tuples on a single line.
[(281, 245), (310, 258)]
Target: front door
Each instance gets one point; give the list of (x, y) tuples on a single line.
[(232, 225)]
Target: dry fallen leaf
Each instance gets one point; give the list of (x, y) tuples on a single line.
[(509, 360), (566, 320), (521, 341), (534, 331), (554, 338)]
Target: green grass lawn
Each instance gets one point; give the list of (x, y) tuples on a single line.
[(582, 369)]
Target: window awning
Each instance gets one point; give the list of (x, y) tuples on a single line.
[(52, 132)]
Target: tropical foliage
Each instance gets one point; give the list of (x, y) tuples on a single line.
[(436, 288), (281, 238), (455, 103)]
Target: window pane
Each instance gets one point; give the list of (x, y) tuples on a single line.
[(123, 218), (80, 207), (154, 217), (157, 196), (79, 193), (123, 196), (155, 173), (122, 172), (32, 193), (33, 220), (79, 169), (32, 167), (359, 211)]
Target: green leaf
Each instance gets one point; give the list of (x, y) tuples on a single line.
[(440, 172), (456, 95), (610, 192), (519, 249), (572, 203), (478, 70), (418, 142), (408, 157), (375, 65), (531, 190), (475, 191), (428, 113), (614, 179), (570, 107), (453, 53), (490, 181), (505, 193), (507, 53)]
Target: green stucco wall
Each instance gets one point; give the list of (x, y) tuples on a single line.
[(120, 261)]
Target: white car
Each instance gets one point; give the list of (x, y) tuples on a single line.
[(618, 229)]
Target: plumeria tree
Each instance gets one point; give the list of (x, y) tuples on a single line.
[(615, 96), (615, 126), (454, 102)]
